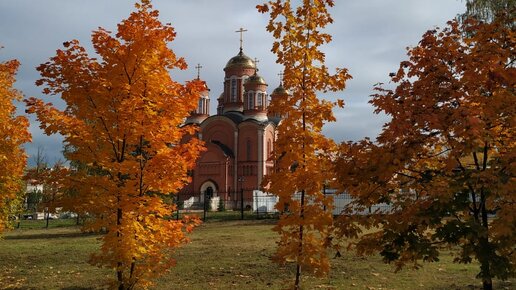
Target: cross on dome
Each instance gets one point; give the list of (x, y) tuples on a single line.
[(198, 67), (281, 74), (256, 61), (241, 31)]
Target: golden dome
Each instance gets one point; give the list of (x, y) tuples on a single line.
[(240, 60), (280, 91), (256, 79)]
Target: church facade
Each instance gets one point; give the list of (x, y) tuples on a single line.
[(239, 138)]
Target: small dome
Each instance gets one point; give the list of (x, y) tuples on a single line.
[(241, 60), (256, 79), (280, 90)]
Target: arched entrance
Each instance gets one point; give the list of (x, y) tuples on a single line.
[(208, 188)]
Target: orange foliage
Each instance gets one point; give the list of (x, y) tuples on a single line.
[(122, 129), (13, 133), (302, 152), (446, 160)]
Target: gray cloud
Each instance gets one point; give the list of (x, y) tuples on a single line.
[(369, 38)]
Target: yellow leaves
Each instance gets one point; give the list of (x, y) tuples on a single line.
[(302, 152), (13, 133), (122, 125)]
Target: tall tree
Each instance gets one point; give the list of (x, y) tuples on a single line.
[(301, 150), (122, 120), (446, 160), (486, 10), (13, 133)]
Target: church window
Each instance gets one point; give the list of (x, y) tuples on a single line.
[(269, 148), (200, 106), (259, 100), (244, 79), (250, 101), (233, 90)]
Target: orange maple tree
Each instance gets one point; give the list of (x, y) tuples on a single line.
[(301, 151), (445, 162), (13, 133), (122, 122)]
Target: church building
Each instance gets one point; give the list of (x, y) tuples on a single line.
[(239, 138)]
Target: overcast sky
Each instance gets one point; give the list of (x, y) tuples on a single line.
[(369, 38)]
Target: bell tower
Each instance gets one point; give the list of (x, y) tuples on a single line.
[(238, 69)]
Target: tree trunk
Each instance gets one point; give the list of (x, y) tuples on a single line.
[(298, 277), (119, 271), (485, 268), (487, 284), (120, 277), (48, 217), (300, 249)]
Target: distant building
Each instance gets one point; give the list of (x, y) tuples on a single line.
[(239, 138)]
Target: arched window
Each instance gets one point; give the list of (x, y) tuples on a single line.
[(259, 101), (200, 108), (269, 148), (233, 90), (250, 100), (244, 79)]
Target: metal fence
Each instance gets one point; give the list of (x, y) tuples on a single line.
[(217, 208), (259, 206)]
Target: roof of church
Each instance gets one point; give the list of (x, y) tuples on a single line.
[(280, 90), (256, 79), (235, 116), (238, 117), (241, 60), (225, 149)]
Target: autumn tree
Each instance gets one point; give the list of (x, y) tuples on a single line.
[(445, 162), (486, 10), (122, 121), (35, 176), (54, 188), (13, 133), (301, 150)]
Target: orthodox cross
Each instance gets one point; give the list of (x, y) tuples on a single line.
[(256, 61), (281, 77), (241, 31), (198, 67)]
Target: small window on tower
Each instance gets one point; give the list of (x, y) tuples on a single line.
[(200, 107), (250, 101), (233, 90), (259, 100)]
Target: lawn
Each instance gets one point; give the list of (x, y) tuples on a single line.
[(221, 255)]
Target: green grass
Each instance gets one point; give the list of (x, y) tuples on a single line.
[(221, 255), (228, 215), (41, 224)]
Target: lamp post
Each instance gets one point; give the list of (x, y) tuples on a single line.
[(241, 181)]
